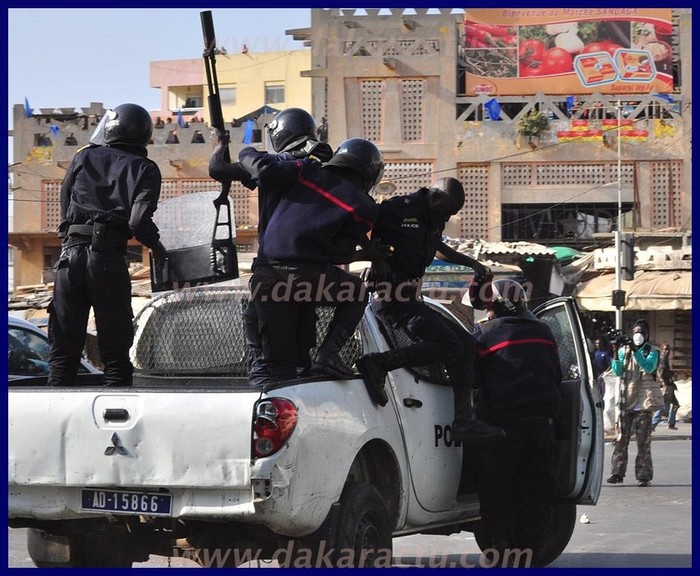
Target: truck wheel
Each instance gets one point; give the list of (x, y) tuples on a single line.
[(561, 527), (559, 532), (99, 551), (364, 535)]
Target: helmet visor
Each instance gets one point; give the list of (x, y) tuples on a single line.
[(98, 136)]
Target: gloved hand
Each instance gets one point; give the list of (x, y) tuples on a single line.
[(160, 263), (220, 138), (480, 292), (249, 182), (160, 252)]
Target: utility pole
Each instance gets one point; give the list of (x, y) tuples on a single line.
[(618, 295)]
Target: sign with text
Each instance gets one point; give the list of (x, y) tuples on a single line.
[(510, 51)]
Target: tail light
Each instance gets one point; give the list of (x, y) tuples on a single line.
[(274, 422)]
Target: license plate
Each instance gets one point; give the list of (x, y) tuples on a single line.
[(123, 502)]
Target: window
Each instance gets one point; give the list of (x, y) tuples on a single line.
[(274, 94), (193, 102), (228, 96)]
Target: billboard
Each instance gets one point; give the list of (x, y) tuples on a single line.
[(523, 51)]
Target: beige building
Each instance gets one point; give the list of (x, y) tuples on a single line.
[(397, 77)]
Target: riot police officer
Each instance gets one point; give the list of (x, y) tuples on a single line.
[(108, 195), (518, 372), (292, 135), (324, 213), (411, 226)]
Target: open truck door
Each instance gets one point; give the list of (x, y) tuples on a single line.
[(579, 426)]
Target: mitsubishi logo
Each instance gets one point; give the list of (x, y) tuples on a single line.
[(117, 446)]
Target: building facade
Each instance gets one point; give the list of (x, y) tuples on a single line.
[(405, 80)]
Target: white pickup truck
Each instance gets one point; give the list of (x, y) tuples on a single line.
[(194, 460)]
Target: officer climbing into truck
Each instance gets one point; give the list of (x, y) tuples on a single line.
[(292, 134), (108, 195), (323, 214), (411, 226)]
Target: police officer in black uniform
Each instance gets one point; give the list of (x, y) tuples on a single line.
[(411, 227), (323, 214), (108, 195), (292, 134), (518, 374)]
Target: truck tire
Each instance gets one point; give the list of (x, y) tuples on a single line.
[(559, 532), (97, 551), (561, 527), (363, 536)]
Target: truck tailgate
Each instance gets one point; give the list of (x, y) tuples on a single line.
[(166, 439)]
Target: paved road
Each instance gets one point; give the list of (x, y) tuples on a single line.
[(630, 527)]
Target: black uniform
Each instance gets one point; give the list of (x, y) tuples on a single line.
[(404, 224), (319, 220), (268, 199), (518, 374), (109, 194)]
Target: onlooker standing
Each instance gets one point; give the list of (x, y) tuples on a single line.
[(601, 364), (640, 396), (671, 404), (519, 373)]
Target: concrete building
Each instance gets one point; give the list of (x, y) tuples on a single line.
[(401, 78)]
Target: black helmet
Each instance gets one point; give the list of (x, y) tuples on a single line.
[(290, 128), (509, 298), (125, 124), (361, 156), (446, 197)]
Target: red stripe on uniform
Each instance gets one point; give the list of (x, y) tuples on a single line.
[(337, 201), (507, 343)]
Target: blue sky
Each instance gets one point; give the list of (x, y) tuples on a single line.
[(70, 57)]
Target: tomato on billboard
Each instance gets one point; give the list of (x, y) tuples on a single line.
[(567, 51)]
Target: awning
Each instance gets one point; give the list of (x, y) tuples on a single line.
[(672, 290)]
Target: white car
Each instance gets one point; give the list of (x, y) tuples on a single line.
[(28, 353)]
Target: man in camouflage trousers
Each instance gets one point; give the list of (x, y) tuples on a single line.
[(636, 363)]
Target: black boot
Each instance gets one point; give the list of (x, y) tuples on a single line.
[(466, 426), (330, 364), (328, 361), (372, 369)]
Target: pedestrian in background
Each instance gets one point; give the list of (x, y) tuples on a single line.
[(671, 404), (601, 364), (635, 363)]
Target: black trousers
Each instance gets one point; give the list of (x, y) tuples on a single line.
[(434, 340), (258, 369), (85, 279), (517, 482), (282, 295)]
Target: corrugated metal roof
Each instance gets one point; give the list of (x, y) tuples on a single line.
[(511, 250)]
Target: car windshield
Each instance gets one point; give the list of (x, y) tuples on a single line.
[(28, 352)]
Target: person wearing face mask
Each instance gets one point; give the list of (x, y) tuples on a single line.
[(411, 228), (636, 363)]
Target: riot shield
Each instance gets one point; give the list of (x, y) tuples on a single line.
[(199, 240)]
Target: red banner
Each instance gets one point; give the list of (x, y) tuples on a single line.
[(567, 51)]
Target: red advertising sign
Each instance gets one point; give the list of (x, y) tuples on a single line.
[(570, 51)]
